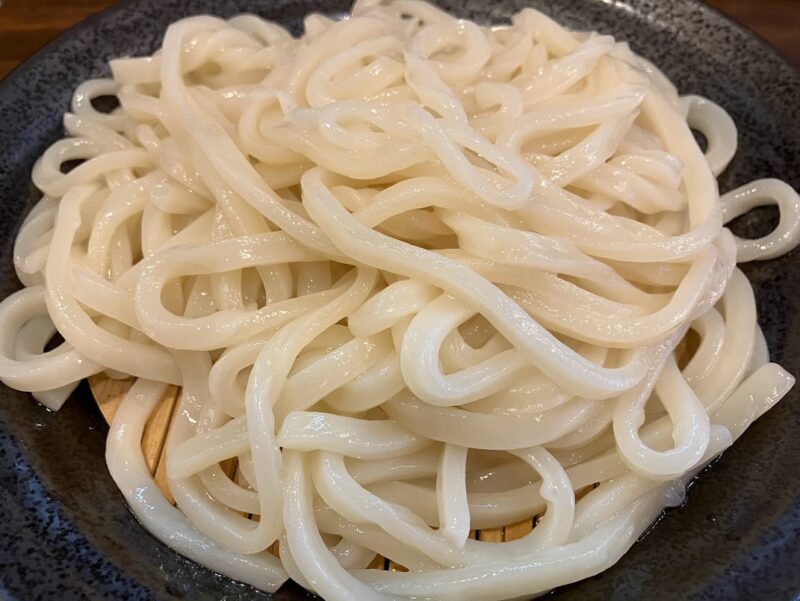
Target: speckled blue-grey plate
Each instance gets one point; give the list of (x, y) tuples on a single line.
[(65, 532)]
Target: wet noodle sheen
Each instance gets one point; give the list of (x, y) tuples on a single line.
[(415, 277)]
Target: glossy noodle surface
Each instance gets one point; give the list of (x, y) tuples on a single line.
[(397, 280)]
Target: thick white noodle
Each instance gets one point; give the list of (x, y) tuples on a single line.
[(417, 276)]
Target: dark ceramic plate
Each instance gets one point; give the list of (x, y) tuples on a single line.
[(65, 532)]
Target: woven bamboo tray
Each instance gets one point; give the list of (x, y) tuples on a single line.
[(108, 394)]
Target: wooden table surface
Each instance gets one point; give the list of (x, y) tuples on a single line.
[(26, 25)]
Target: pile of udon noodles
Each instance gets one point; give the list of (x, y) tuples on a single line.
[(419, 276)]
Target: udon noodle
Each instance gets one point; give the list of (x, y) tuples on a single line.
[(418, 276)]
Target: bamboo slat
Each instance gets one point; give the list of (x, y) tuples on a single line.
[(108, 394)]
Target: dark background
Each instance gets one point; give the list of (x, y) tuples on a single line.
[(27, 25)]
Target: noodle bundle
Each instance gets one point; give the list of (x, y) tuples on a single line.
[(416, 277)]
